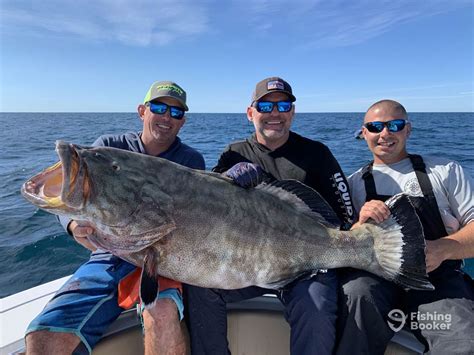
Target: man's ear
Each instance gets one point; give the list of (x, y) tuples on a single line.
[(408, 129), (364, 132), (182, 121), (141, 111), (250, 113)]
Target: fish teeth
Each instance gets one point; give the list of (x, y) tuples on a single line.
[(41, 192)]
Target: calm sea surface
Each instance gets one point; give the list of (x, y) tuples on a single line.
[(34, 248)]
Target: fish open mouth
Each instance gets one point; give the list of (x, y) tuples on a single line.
[(59, 186)]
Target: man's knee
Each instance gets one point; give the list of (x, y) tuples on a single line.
[(311, 303), (46, 342), (162, 312)]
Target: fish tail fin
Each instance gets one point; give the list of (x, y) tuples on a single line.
[(400, 248), (149, 284)]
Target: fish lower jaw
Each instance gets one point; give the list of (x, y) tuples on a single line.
[(40, 200)]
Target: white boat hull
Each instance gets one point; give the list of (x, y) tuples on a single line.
[(256, 327)]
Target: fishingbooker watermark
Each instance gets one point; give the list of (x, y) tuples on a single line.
[(397, 319)]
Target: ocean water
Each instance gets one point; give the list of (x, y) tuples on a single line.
[(34, 249)]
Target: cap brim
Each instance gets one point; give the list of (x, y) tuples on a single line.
[(172, 97), (290, 95)]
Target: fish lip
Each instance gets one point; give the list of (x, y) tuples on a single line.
[(74, 172), (51, 188), (43, 189)]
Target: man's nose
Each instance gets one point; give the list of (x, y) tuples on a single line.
[(385, 131), (166, 116), (274, 110)]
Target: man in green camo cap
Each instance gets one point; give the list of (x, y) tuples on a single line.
[(82, 310)]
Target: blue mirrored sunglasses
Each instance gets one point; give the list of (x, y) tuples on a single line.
[(393, 126), (267, 106), (161, 108)]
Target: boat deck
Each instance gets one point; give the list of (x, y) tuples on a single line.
[(256, 327)]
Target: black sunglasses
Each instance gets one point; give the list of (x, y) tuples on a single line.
[(161, 108), (393, 126), (267, 106)]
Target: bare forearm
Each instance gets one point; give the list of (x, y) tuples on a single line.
[(460, 245)]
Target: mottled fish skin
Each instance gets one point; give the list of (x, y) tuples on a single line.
[(204, 230)]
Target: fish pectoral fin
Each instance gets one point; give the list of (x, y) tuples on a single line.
[(149, 284), (305, 199), (152, 209)]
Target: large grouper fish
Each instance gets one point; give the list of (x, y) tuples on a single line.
[(200, 228)]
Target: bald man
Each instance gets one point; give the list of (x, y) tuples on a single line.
[(443, 320)]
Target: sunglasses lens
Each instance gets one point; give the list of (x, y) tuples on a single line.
[(393, 126), (374, 127), (396, 125), (176, 113), (264, 106), (158, 108), (284, 106)]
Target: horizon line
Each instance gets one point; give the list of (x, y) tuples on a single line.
[(243, 112)]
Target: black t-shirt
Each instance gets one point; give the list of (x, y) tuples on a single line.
[(300, 159)]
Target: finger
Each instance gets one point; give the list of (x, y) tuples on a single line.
[(82, 231), (430, 266), (85, 243), (368, 213), (377, 211), (381, 208)]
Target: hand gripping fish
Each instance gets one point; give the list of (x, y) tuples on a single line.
[(199, 228)]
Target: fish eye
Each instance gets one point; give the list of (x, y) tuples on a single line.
[(115, 166)]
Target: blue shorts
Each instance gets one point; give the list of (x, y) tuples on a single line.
[(87, 303)]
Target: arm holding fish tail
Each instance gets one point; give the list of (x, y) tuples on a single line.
[(456, 246), (374, 209)]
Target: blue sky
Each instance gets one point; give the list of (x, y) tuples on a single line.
[(339, 56)]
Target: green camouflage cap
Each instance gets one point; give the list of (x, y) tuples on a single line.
[(166, 89)]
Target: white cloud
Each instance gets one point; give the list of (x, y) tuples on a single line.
[(142, 22), (319, 23), (304, 23)]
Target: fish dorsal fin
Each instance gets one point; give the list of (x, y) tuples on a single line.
[(304, 198)]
